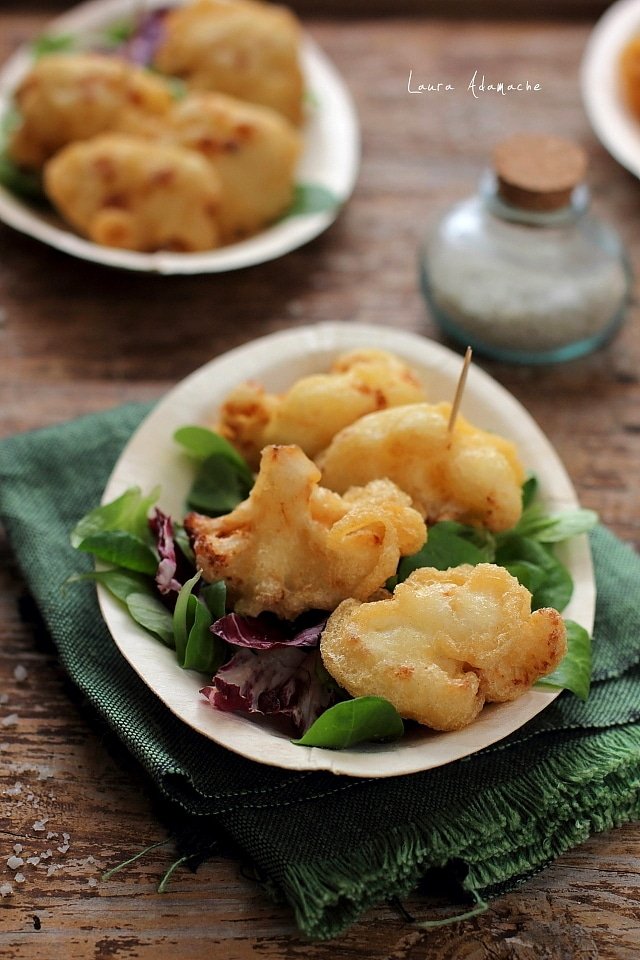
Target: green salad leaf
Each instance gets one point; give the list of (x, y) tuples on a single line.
[(118, 33), (311, 198), (118, 532), (48, 43), (223, 478), (526, 551), (24, 183), (136, 593), (122, 549), (121, 583), (218, 487), (551, 579), (574, 672), (197, 648), (151, 614), (449, 544), (544, 527), (354, 721), (128, 513), (202, 443)]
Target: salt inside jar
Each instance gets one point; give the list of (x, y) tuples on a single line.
[(523, 271)]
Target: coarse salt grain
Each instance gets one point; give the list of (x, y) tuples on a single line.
[(34, 861), (14, 790), (17, 848), (51, 835), (93, 882), (19, 878), (10, 721), (6, 890), (63, 847), (39, 825), (14, 862), (20, 673)]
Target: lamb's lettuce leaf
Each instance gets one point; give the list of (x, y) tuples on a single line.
[(223, 478)]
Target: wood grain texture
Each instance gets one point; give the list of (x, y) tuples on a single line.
[(76, 338)]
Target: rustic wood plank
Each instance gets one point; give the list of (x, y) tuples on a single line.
[(76, 338)]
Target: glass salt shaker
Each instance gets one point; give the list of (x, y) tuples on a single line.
[(522, 272)]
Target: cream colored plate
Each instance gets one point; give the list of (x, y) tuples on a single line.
[(151, 457), (330, 159), (613, 123)]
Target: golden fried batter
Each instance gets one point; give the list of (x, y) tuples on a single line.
[(467, 475), (444, 644), (244, 48), (253, 149), (315, 408), (68, 97), (292, 546), (122, 193)]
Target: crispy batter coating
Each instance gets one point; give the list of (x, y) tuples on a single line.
[(467, 475), (244, 48), (253, 149), (293, 546), (444, 644), (69, 97), (316, 407), (121, 193)]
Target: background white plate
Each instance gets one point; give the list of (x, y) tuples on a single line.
[(613, 123), (330, 159), (151, 457)]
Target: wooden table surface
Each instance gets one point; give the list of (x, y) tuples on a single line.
[(76, 338)]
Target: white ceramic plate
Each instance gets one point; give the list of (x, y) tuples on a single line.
[(330, 159), (151, 457), (613, 123)]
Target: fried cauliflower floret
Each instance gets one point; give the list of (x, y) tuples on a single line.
[(317, 406), (244, 48), (444, 644), (466, 474), (292, 546), (121, 193), (254, 151), (69, 97)]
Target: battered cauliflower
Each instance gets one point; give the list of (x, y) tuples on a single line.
[(466, 474), (293, 546), (244, 48), (318, 406), (69, 97), (121, 193), (253, 150), (444, 644)]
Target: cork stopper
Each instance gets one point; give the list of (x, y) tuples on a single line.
[(538, 172)]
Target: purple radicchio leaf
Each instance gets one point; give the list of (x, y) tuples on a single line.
[(140, 48), (266, 632), (281, 682), (162, 529)]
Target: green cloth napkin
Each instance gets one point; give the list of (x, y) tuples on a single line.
[(333, 846)]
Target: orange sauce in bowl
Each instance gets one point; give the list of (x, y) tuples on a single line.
[(630, 74)]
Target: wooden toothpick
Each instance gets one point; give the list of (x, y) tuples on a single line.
[(459, 390)]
